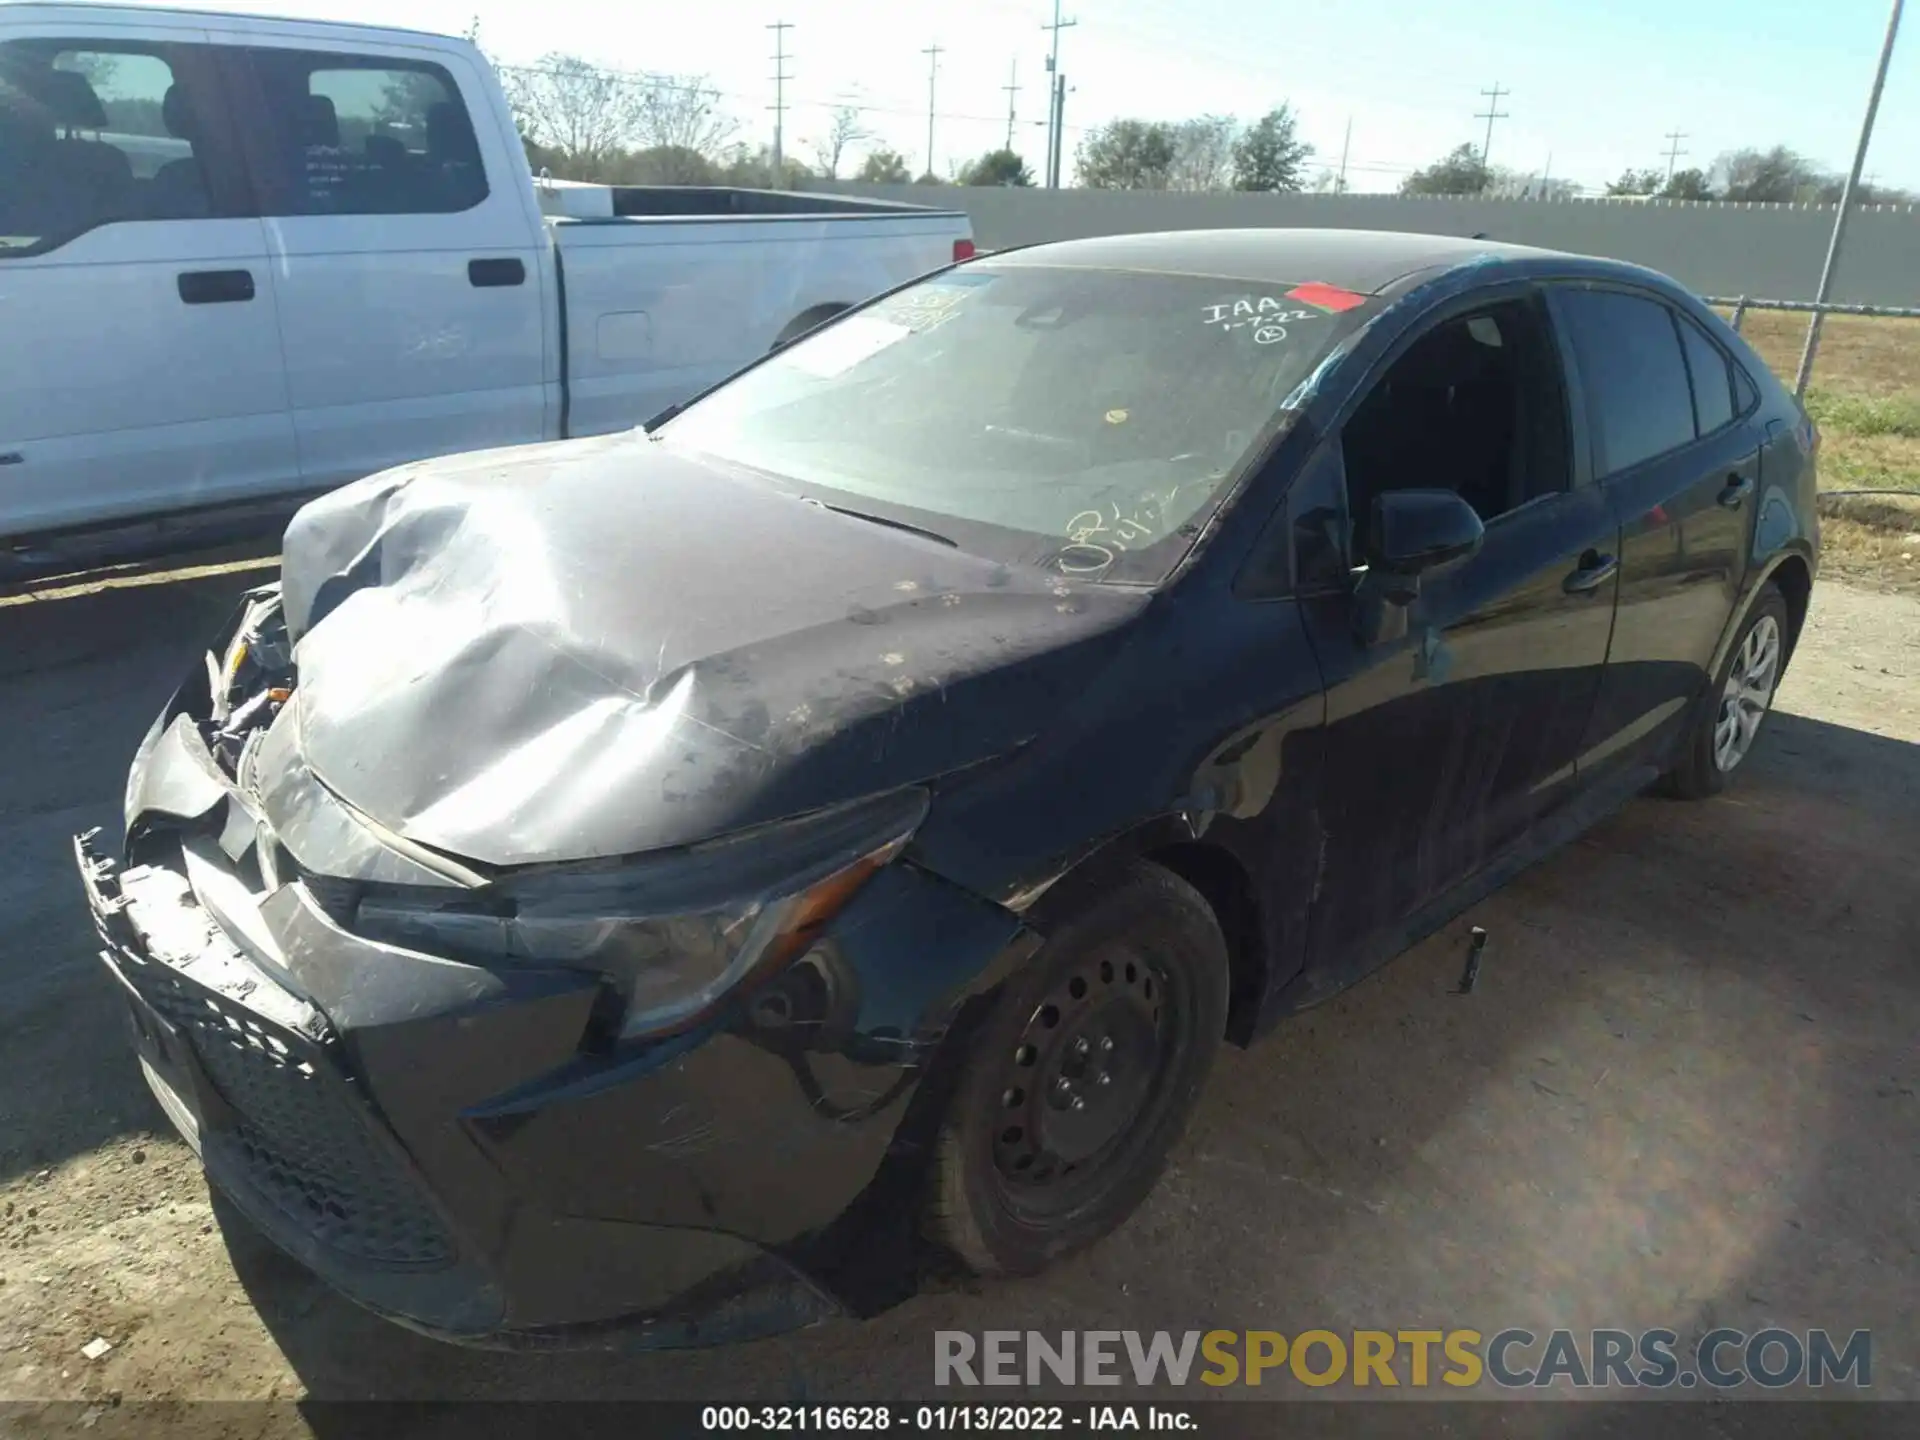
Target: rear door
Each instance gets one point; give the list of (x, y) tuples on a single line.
[(140, 363), (1676, 444), (408, 262)]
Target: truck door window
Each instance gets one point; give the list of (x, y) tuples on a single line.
[(340, 134), (92, 134)]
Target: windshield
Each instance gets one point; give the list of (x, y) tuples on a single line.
[(1083, 420)]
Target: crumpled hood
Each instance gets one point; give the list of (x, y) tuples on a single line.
[(601, 647)]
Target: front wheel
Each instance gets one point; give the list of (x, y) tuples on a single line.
[(1082, 1078), (1726, 725)]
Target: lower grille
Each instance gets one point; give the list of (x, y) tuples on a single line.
[(299, 1140)]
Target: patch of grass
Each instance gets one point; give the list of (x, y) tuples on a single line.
[(1856, 414), (1873, 542), (1859, 354), (1850, 461)]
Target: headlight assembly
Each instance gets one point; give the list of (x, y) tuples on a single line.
[(674, 933)]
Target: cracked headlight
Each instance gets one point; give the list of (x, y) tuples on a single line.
[(674, 933)]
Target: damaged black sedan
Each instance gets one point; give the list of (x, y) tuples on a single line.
[(678, 882)]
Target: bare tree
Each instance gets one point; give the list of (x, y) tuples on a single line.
[(683, 113), (583, 115), (846, 130), (1203, 153)]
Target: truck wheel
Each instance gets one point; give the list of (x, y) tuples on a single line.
[(1082, 1078), (1729, 717), (801, 324)]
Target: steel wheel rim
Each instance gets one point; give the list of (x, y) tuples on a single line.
[(1748, 693), (1082, 1073)]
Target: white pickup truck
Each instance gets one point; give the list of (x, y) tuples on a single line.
[(244, 260)]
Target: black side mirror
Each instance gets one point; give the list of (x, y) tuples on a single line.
[(1412, 533), (1419, 532)]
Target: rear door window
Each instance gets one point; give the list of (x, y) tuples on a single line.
[(1712, 378), (1638, 397), (93, 133), (340, 134)]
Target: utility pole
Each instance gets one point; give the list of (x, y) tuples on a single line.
[(780, 78), (1674, 152), (1012, 87), (1340, 185), (932, 52), (1059, 128), (1056, 98), (1492, 113), (1846, 203)]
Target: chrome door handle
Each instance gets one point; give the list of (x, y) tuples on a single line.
[(1595, 570)]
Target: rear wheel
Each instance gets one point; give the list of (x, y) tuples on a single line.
[(1082, 1078), (801, 324), (1725, 727)]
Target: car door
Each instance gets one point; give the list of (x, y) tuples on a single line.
[(1677, 446), (1446, 745), (140, 364), (409, 277)]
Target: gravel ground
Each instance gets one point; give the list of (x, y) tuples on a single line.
[(1683, 1095)]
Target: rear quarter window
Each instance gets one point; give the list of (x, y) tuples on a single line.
[(1713, 404)]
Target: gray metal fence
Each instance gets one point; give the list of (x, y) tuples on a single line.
[(1743, 303)]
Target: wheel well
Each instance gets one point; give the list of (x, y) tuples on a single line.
[(1223, 882), (1796, 587), (807, 320)]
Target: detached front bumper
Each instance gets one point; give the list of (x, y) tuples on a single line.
[(447, 1144)]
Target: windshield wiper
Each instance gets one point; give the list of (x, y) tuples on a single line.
[(906, 525), (651, 427)]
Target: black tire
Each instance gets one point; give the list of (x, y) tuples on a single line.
[(1703, 768), (801, 324), (1039, 1155)]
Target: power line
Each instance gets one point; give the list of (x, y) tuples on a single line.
[(1674, 152), (780, 78), (1012, 87), (1492, 113), (1055, 97), (932, 52)]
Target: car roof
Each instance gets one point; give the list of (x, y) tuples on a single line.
[(1365, 261)]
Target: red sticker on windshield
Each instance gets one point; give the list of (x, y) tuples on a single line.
[(1327, 297)]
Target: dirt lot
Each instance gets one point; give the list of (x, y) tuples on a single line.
[(1684, 1093)]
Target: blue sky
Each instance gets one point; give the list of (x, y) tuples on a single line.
[(1595, 85)]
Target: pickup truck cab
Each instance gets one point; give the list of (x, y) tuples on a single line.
[(246, 260)]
